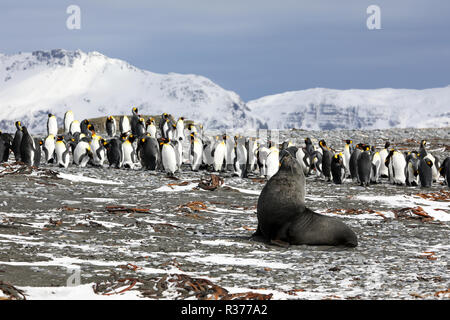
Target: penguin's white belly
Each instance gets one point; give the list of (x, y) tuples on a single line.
[(50, 146), (383, 169), (300, 155), (127, 150), (68, 121), (52, 126), (346, 157), (126, 127), (273, 163), (411, 178), (376, 162), (151, 129), (75, 127), (169, 158), (207, 158), (219, 156), (79, 152), (398, 168), (60, 148)]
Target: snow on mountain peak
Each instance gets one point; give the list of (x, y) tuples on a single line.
[(91, 84), (324, 109)]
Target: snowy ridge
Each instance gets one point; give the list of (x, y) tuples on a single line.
[(93, 85), (324, 109)]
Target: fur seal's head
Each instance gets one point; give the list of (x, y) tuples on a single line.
[(289, 164)]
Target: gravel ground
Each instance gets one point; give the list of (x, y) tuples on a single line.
[(51, 225)]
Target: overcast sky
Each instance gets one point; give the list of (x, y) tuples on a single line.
[(253, 47)]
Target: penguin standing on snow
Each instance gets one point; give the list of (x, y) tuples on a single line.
[(52, 125), (128, 151), (423, 154), (348, 149), (196, 152), (230, 156), (140, 127), (364, 166), (148, 151), (75, 127), (84, 127), (252, 150), (82, 154), (303, 159), (445, 170), (326, 159), (338, 168), (220, 153), (17, 141), (5, 146), (353, 165), (28, 148), (168, 156), (151, 127), (384, 172), (240, 163), (396, 163), (68, 119), (425, 172), (124, 124), (273, 161), (179, 132), (110, 126), (49, 148), (37, 154), (376, 164), (134, 121), (412, 169), (62, 153), (114, 152)]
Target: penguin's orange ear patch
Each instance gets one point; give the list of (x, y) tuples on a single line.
[(143, 139)]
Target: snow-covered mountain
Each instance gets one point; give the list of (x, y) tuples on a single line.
[(93, 85), (324, 109)]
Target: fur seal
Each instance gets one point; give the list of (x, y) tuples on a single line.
[(283, 216)]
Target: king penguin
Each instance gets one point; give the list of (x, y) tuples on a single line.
[(364, 166), (168, 157), (17, 141), (196, 152), (62, 153), (338, 168), (148, 151), (384, 172), (110, 126), (49, 148), (219, 154), (52, 125), (68, 119), (326, 159), (27, 148)]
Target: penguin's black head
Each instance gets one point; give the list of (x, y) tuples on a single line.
[(308, 141), (429, 163), (423, 143), (50, 115), (135, 110), (322, 143), (224, 137), (387, 144), (60, 138), (348, 141), (366, 148), (86, 121)]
